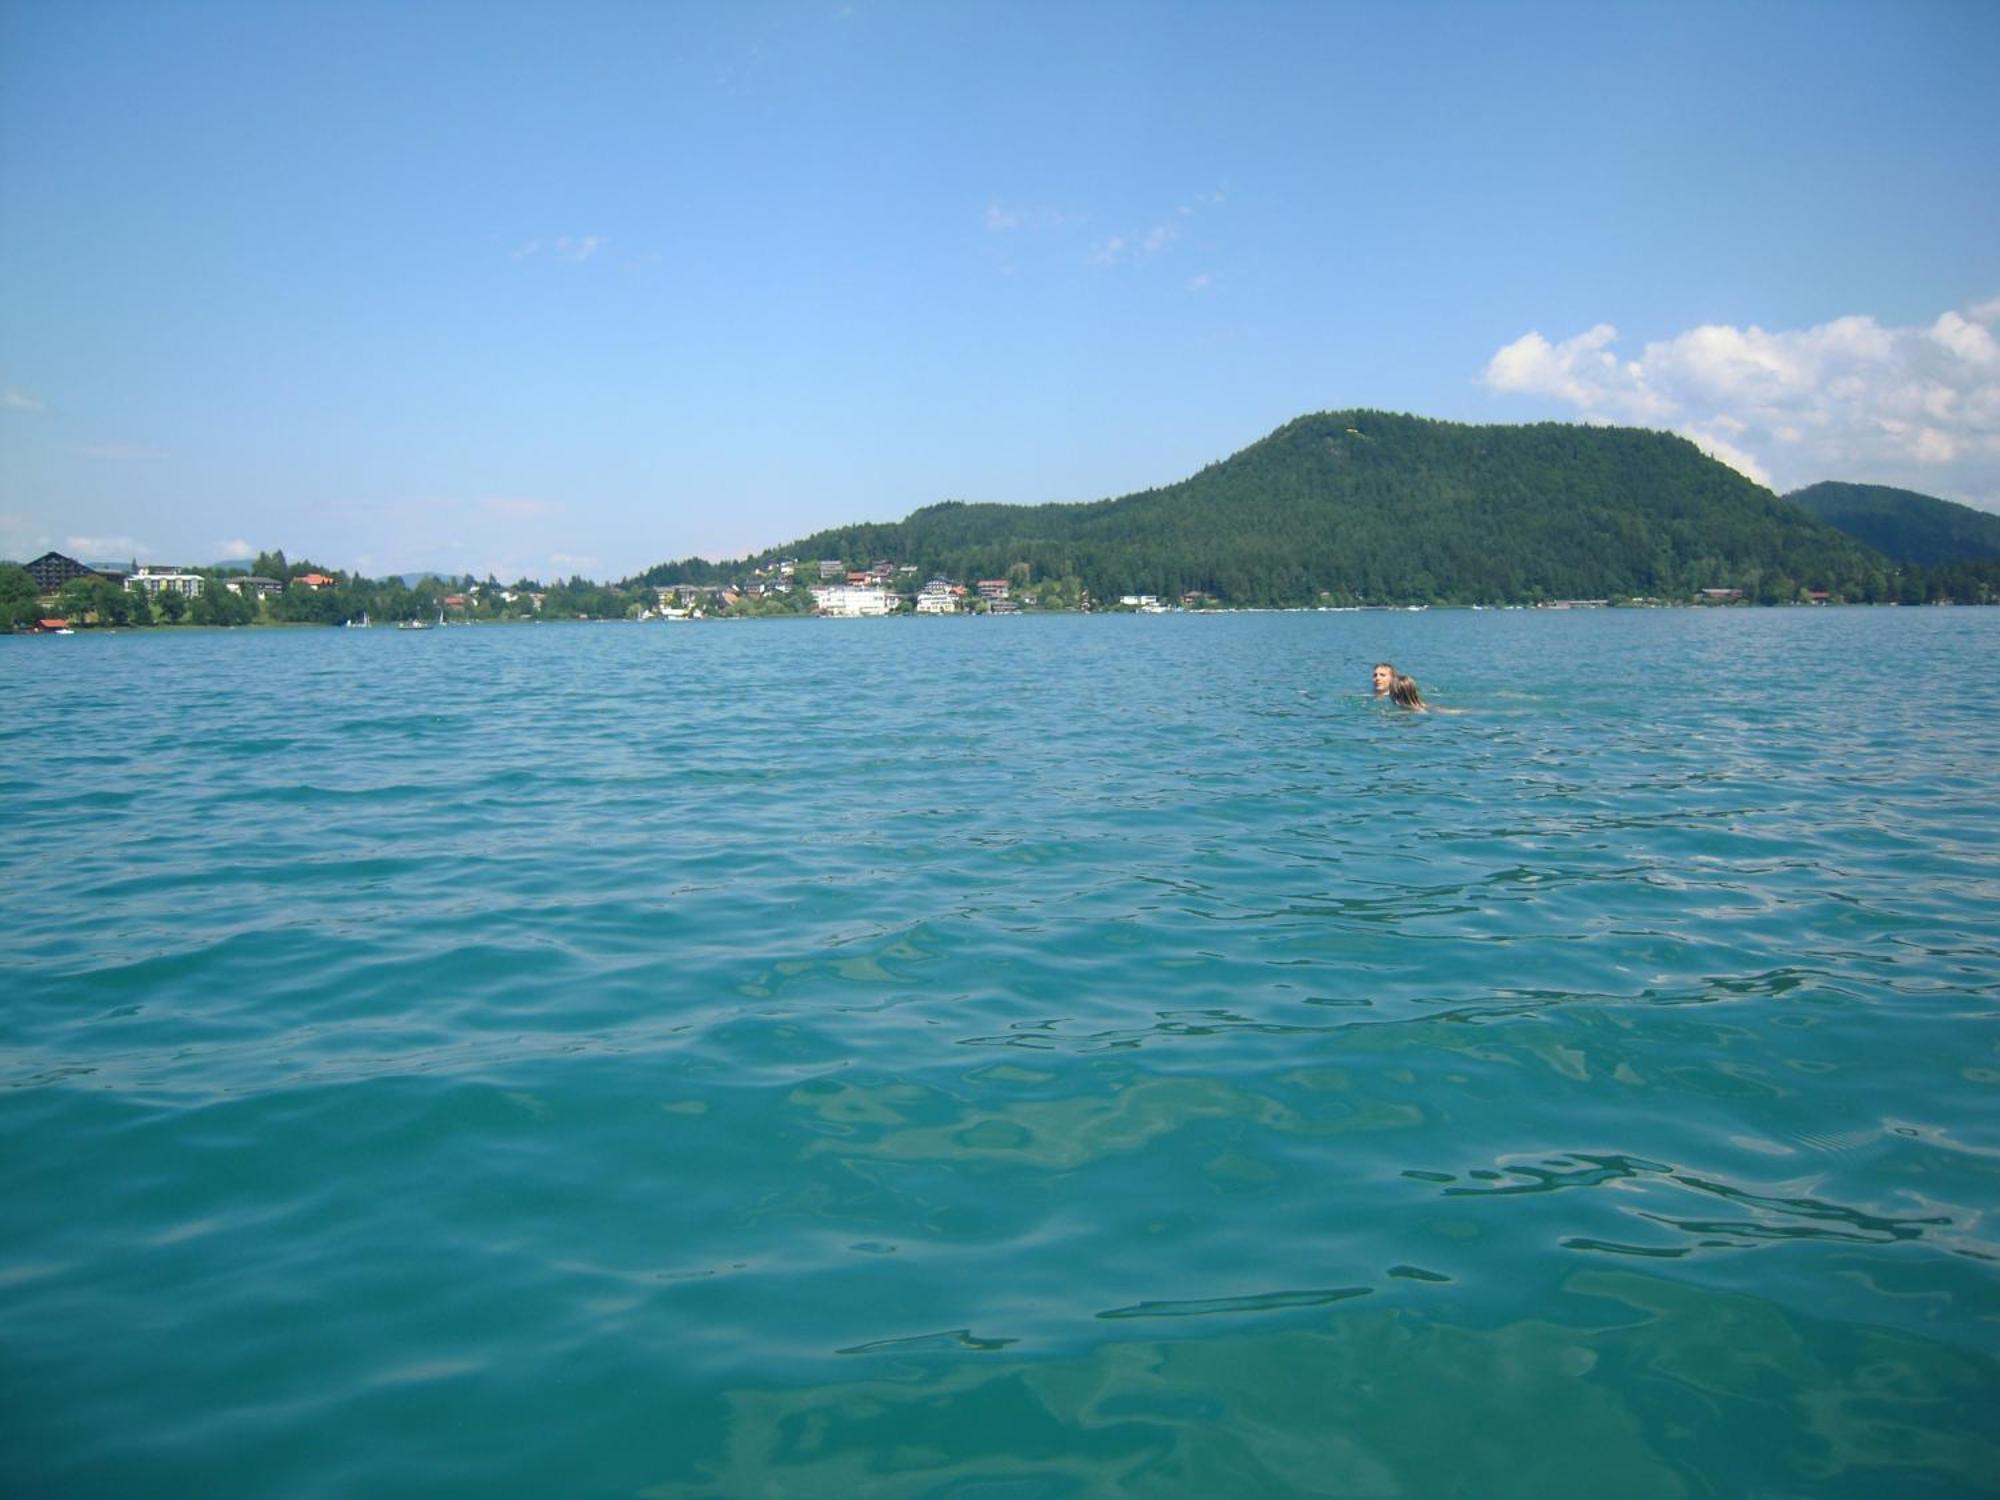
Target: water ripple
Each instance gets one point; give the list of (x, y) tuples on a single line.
[(1036, 1056)]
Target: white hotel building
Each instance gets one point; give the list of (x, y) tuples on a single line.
[(848, 600), (154, 582)]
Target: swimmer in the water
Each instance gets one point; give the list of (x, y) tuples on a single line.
[(1400, 688), (1403, 693)]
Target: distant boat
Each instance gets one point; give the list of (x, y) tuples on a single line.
[(419, 624), (360, 624)]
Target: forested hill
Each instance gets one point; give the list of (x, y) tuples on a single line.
[(1365, 506), (1904, 525)]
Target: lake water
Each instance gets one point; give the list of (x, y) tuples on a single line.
[(1005, 1058)]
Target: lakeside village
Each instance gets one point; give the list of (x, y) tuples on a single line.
[(55, 594)]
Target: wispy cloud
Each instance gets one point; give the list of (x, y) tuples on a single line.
[(1847, 399), (1002, 218), (1134, 246), (1008, 224), (234, 550), (21, 536), (120, 452), (1119, 247), (572, 560), (574, 248), (103, 548), (1200, 283), (15, 399), (517, 508)]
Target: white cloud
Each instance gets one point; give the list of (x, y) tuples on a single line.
[(15, 399), (999, 220), (1967, 339), (1200, 283), (1723, 450), (1847, 399), (235, 550), (1158, 238), (1109, 251)]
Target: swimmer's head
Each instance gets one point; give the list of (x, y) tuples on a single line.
[(1385, 679), (1403, 692)]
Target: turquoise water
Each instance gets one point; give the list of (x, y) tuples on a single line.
[(1015, 1057)]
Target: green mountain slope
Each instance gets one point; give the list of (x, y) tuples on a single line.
[(1904, 525), (1369, 506)]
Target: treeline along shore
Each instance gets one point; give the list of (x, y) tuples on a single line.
[(1342, 509), (54, 588)]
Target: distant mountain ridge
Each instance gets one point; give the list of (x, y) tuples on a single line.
[(1904, 525), (1376, 507)]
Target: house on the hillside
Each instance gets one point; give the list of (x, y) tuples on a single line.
[(313, 581)]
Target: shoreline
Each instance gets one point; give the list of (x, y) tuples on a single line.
[(300, 626)]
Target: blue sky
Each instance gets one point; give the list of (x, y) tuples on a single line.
[(542, 289)]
